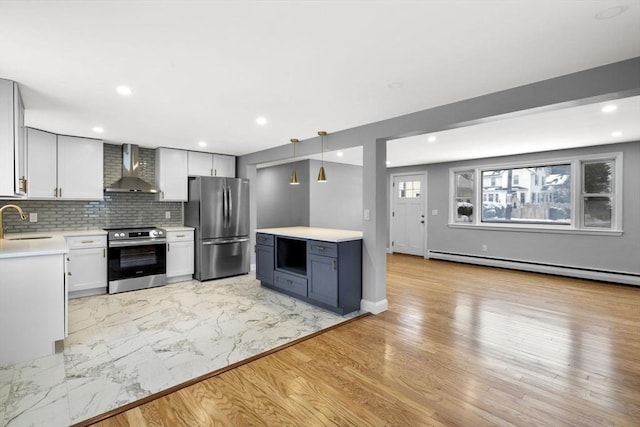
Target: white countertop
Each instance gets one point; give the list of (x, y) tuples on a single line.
[(314, 233), (35, 247), (178, 228)]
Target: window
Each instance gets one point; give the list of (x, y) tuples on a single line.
[(408, 189), (464, 194), (597, 194), (577, 194), (514, 208)]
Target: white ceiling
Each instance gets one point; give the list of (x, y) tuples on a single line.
[(204, 70)]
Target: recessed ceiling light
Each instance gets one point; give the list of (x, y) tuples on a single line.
[(339, 154), (98, 129), (611, 12), (431, 138), (609, 108), (202, 143), (616, 134), (395, 85), (124, 90), (261, 120)]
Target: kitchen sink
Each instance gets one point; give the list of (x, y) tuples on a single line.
[(30, 238)]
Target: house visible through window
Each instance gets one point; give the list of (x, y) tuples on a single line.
[(583, 193)]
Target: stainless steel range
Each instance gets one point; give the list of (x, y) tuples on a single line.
[(137, 258)]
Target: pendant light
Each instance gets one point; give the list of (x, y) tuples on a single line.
[(294, 174), (322, 176)]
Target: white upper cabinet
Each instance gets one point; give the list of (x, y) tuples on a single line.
[(13, 160), (207, 164), (172, 174), (224, 165), (42, 165), (64, 167), (80, 165), (200, 164)]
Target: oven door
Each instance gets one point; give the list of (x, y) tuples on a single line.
[(130, 260)]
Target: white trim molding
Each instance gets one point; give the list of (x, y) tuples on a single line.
[(374, 307)]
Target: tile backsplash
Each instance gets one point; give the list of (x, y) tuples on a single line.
[(116, 210)]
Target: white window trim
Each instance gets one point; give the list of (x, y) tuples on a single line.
[(577, 206)]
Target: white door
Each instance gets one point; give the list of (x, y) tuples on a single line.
[(407, 215)]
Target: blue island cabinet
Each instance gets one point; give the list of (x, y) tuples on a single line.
[(322, 273)]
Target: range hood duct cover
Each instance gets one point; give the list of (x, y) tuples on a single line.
[(131, 181)]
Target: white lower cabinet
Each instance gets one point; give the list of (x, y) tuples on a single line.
[(32, 307), (179, 255), (86, 265)]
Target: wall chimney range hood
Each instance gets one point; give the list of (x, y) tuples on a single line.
[(130, 181)]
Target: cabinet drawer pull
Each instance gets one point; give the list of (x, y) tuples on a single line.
[(104, 253), (180, 235), (87, 241), (320, 248)]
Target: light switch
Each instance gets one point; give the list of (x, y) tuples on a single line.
[(367, 215), (167, 214), (33, 217)]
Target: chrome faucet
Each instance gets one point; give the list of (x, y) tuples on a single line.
[(23, 217)]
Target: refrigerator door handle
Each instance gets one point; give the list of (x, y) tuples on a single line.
[(229, 207), (224, 207)]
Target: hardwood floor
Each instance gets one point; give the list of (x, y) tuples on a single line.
[(460, 345)]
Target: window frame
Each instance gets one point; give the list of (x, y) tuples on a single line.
[(577, 200)]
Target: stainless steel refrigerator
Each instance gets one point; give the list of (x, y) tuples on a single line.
[(218, 208)]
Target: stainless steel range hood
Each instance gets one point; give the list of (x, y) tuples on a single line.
[(130, 181)]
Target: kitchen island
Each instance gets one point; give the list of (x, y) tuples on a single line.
[(321, 266)]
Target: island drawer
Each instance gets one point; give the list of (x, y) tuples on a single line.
[(317, 247), (264, 239), (291, 283)]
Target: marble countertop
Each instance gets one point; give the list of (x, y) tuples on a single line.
[(56, 244), (314, 233)]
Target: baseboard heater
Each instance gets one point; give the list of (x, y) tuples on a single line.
[(538, 267)]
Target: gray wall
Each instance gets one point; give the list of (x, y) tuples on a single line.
[(336, 203), (612, 253), (116, 210), (280, 204)]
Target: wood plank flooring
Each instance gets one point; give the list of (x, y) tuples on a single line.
[(460, 345)]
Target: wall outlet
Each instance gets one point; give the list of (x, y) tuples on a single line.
[(33, 217), (434, 212), (167, 215), (484, 248), (367, 215)]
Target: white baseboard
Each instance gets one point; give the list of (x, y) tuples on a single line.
[(582, 273), (252, 267), (374, 307)]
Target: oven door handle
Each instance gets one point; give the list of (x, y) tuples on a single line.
[(121, 244)]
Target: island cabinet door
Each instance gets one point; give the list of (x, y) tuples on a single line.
[(264, 264), (323, 279)]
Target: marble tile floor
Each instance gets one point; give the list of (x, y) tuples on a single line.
[(124, 347)]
